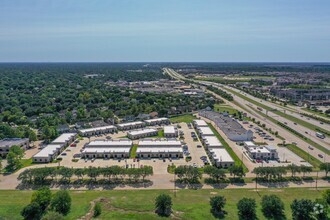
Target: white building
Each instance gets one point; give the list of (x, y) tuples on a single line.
[(157, 121), (170, 132), (65, 139), (220, 157), (48, 153), (130, 125), (142, 133), (159, 148), (262, 153), (95, 131), (205, 131), (248, 144), (7, 143), (211, 142), (199, 123), (116, 149)]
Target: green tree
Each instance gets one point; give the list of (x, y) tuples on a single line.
[(14, 157), (32, 211), (217, 204), (326, 196), (247, 209), (325, 167), (51, 215), (302, 209), (97, 209), (163, 205), (236, 170), (42, 196), (61, 202), (272, 207)]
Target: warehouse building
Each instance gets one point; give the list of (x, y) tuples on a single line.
[(248, 144), (220, 157), (130, 125), (107, 149), (159, 148), (7, 143), (199, 123), (65, 139), (170, 132), (142, 133), (48, 153), (96, 131), (230, 126), (157, 121), (204, 131), (211, 142)]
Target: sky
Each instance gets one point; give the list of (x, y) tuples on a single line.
[(164, 31)]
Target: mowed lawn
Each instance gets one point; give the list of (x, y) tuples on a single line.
[(139, 204), (225, 108)]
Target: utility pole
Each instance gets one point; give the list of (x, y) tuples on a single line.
[(317, 175), (174, 186)]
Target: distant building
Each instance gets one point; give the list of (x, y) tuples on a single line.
[(63, 128), (204, 131), (157, 121), (7, 143), (170, 132), (142, 133), (211, 142), (130, 125), (262, 153), (65, 139), (48, 153), (220, 157), (99, 130), (199, 123)]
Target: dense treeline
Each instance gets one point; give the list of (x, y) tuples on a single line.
[(278, 172), (47, 95), (64, 174)]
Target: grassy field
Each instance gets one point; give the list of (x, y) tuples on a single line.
[(228, 148), (159, 135), (139, 204), (225, 108), (183, 118), (316, 112)]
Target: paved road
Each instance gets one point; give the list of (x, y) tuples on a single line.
[(254, 113)]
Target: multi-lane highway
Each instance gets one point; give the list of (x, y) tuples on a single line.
[(252, 111)]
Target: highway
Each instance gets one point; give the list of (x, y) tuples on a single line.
[(253, 112)]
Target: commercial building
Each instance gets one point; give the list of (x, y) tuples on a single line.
[(204, 131), (262, 153), (7, 143), (170, 132), (130, 125), (116, 149), (220, 157), (230, 126), (159, 148), (248, 144), (199, 123), (65, 139), (142, 133), (98, 130), (157, 121), (48, 153), (211, 142)]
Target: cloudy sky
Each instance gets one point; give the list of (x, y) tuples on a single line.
[(171, 30)]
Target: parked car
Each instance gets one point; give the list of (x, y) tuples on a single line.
[(310, 147), (63, 154), (320, 155), (199, 146)]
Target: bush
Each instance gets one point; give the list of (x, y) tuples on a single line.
[(217, 204), (97, 209), (61, 202), (42, 197), (302, 209), (163, 205), (32, 211)]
